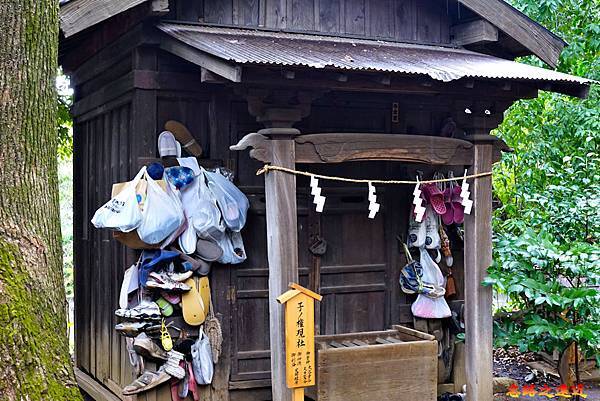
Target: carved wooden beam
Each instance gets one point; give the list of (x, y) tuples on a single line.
[(346, 147), (338, 148)]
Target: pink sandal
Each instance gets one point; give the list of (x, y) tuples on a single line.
[(448, 217), (457, 207), (434, 197)]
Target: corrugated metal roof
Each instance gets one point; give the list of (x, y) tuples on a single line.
[(246, 46)]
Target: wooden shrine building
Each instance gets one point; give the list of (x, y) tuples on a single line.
[(355, 88)]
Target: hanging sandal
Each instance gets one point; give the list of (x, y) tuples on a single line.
[(147, 381), (212, 328), (192, 304), (165, 337)]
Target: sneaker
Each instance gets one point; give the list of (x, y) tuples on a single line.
[(148, 380), (164, 282), (144, 346), (173, 366), (146, 310), (180, 276), (132, 329)]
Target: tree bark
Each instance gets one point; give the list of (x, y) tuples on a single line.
[(34, 353)]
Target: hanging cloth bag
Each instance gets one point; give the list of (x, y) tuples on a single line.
[(122, 212), (162, 214), (202, 362)]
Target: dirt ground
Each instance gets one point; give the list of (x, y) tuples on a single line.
[(512, 364)]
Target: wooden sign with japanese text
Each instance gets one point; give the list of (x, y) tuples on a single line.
[(299, 336)]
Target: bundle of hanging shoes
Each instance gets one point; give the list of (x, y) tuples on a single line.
[(444, 213), (166, 309)]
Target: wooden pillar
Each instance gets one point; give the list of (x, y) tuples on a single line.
[(478, 257), (282, 247)]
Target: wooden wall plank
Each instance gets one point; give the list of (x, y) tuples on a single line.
[(354, 17), (405, 20), (246, 12), (381, 19), (276, 14), (302, 14), (329, 16), (218, 11)]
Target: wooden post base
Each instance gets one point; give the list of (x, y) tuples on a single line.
[(298, 394)]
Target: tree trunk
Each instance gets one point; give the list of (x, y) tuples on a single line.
[(34, 353)]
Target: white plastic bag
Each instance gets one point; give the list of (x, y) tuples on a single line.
[(122, 212), (162, 214), (426, 307), (202, 362), (232, 202), (207, 217)]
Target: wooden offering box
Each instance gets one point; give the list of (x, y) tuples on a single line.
[(398, 364)]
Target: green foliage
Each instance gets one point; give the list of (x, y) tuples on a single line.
[(547, 256), (64, 122)]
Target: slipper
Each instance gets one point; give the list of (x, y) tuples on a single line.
[(167, 145), (130, 284), (166, 308), (432, 235), (448, 217), (198, 265), (434, 197), (172, 298), (175, 390), (457, 207), (416, 232), (204, 285), (193, 386), (208, 250), (146, 381), (184, 384), (192, 305), (183, 135)]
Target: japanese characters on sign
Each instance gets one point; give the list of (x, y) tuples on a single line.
[(300, 336)]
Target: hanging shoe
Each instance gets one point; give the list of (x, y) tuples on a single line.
[(163, 282), (146, 347), (147, 381), (173, 364), (432, 235), (165, 337), (146, 310), (180, 276), (132, 329), (417, 232)]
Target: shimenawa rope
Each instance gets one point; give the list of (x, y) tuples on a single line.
[(267, 167)]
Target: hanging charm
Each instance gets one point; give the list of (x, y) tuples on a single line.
[(373, 205), (418, 202), (318, 199), (464, 194)]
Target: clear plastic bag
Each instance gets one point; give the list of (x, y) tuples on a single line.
[(426, 307), (122, 212), (233, 248), (232, 202), (202, 363), (206, 217), (162, 214), (187, 240)]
